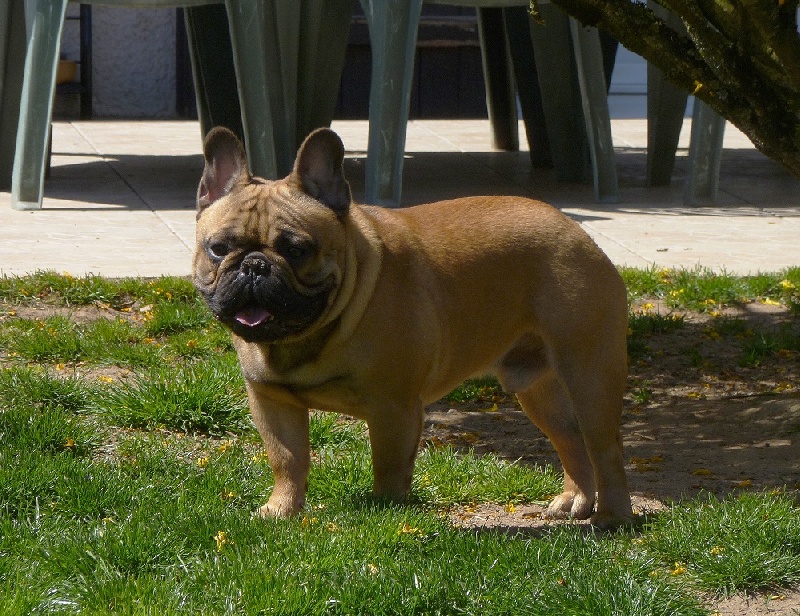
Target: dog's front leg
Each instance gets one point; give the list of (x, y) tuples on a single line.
[(394, 439), (283, 426)]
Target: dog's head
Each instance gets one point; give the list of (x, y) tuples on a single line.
[(270, 255)]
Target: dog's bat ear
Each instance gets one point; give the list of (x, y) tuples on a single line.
[(226, 165), (318, 170)]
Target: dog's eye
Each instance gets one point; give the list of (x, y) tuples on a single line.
[(218, 250), (293, 248)]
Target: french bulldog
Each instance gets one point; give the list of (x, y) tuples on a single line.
[(376, 313)]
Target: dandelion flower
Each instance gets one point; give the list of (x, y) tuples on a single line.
[(222, 540)]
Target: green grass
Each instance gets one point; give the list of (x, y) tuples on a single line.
[(751, 542), (691, 289), (197, 397), (134, 493)]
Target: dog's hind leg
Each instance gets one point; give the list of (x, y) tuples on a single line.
[(595, 380), (549, 407)]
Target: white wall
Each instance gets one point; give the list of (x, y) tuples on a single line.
[(134, 60)]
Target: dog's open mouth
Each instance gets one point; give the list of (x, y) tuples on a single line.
[(253, 316)]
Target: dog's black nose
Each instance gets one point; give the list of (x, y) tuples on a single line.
[(255, 264)]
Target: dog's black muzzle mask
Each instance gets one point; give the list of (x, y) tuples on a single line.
[(259, 303)]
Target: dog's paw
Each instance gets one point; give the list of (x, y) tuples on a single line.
[(608, 520), (571, 505), (279, 508)]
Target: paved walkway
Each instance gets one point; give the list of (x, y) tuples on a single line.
[(120, 198)]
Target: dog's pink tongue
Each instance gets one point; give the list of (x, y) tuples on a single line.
[(252, 316)]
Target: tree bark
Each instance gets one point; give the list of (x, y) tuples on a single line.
[(741, 57)]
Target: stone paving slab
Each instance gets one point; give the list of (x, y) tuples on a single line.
[(120, 198)]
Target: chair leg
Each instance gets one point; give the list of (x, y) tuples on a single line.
[(323, 47), (527, 80), (594, 97), (561, 100), (36, 103), (705, 155), (213, 68), (393, 31), (666, 105), (501, 100), (257, 63), (12, 62)]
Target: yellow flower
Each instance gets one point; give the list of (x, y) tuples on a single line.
[(372, 569), (306, 521), (227, 495), (787, 285), (510, 508), (678, 569), (406, 529), (60, 367), (717, 551), (224, 446), (69, 444), (332, 528), (202, 462), (261, 456), (222, 540)]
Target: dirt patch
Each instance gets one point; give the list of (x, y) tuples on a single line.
[(713, 406), (775, 604), (674, 451)]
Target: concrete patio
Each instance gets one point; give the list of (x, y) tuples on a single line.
[(120, 198)]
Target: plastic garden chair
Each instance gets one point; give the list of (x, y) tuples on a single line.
[(393, 34), (282, 70), (12, 59), (666, 105)]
